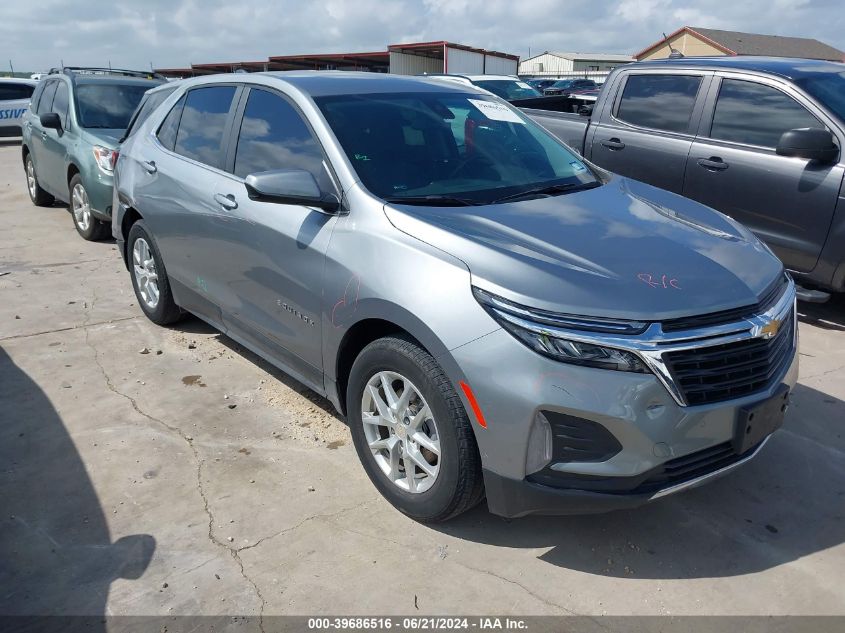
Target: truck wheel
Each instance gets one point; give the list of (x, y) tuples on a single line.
[(149, 277), (89, 227), (39, 197), (411, 431)]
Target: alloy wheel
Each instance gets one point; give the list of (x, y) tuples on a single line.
[(31, 182), (146, 277)]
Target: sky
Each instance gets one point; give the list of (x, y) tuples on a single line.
[(176, 33)]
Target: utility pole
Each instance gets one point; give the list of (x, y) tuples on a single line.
[(12, 67)]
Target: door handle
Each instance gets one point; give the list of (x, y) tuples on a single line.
[(714, 163), (613, 143), (149, 166), (227, 202)]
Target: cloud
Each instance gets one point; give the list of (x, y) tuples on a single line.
[(170, 33)]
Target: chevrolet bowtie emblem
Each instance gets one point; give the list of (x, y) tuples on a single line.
[(771, 328)]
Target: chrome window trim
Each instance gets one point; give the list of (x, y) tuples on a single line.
[(653, 343)]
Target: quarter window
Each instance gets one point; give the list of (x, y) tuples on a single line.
[(274, 136), (150, 102), (660, 102), (170, 125), (203, 121), (754, 114), (46, 101)]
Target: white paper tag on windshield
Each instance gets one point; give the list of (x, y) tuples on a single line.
[(522, 84), (496, 111)]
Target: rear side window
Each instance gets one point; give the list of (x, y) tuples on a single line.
[(754, 114), (150, 102), (60, 103), (203, 121), (274, 136), (46, 101), (13, 92), (659, 102), (170, 125)]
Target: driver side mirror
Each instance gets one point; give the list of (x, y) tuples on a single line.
[(810, 143), (290, 186), (51, 120)]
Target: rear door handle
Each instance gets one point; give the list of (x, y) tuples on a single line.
[(714, 163), (227, 202), (613, 143), (149, 166)]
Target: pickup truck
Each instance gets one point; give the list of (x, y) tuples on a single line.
[(758, 139)]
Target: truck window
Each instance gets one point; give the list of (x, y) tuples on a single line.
[(15, 91), (659, 102), (754, 114), (200, 134), (274, 136)]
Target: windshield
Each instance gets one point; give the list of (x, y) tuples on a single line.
[(108, 105), (829, 88), (470, 148), (508, 89)]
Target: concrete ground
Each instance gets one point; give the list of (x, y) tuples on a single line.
[(146, 470)]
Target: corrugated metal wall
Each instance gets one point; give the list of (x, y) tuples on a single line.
[(500, 65), (545, 64), (405, 64), (459, 61)]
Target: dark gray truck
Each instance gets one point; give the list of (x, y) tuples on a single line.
[(758, 139)]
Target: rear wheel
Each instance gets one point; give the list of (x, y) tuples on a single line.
[(149, 277), (411, 431), (89, 227), (39, 197)]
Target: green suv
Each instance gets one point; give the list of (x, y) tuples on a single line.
[(71, 133)]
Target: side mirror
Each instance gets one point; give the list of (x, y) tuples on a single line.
[(290, 186), (810, 143), (51, 120)]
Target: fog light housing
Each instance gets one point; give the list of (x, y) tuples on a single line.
[(539, 445)]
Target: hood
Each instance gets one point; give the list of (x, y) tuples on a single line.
[(106, 137), (623, 250)]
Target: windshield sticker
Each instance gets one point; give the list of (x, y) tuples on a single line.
[(663, 281), (522, 84), (496, 111), (577, 166)]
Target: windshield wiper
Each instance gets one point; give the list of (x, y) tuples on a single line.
[(433, 201), (550, 190)]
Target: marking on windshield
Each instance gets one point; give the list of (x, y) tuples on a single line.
[(661, 281)]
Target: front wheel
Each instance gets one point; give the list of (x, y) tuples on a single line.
[(89, 227), (411, 431), (149, 277)]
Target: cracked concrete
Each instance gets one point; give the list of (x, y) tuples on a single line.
[(128, 490)]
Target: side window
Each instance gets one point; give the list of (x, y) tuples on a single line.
[(15, 92), (39, 90), (201, 127), (60, 103), (170, 125), (274, 136), (149, 103), (660, 102), (46, 101), (754, 114)]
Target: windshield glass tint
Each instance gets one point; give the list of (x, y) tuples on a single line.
[(467, 146), (508, 90), (108, 105), (829, 88)]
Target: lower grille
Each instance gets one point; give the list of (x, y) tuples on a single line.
[(723, 372)]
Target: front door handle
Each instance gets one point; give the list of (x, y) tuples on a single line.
[(714, 163), (149, 166), (227, 202), (613, 144)]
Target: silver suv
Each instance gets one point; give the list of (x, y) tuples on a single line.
[(490, 313)]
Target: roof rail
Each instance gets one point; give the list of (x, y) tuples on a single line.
[(86, 70)]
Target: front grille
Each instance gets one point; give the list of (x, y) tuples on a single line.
[(722, 372), (769, 298)]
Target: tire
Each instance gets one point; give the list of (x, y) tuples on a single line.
[(89, 227), (458, 483), (39, 197), (164, 310)]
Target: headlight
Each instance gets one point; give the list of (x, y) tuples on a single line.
[(530, 328), (106, 158)]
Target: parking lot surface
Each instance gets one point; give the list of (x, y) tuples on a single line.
[(164, 471)]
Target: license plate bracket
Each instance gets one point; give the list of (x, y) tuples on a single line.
[(755, 422)]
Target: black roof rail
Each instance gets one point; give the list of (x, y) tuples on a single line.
[(90, 70)]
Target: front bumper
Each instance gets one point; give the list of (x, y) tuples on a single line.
[(650, 432)]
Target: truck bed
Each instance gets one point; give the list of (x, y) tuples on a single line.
[(570, 128)]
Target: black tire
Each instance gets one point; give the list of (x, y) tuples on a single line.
[(97, 229), (39, 197), (459, 483), (165, 311)]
